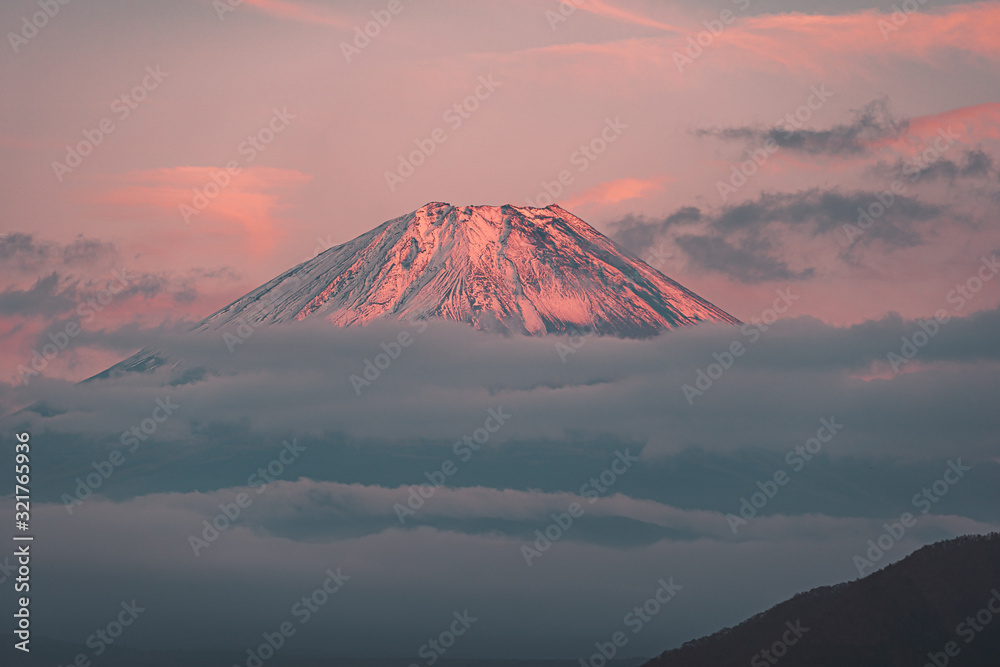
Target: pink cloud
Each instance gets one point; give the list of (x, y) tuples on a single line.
[(971, 123), (801, 42), (615, 191), (250, 201), (301, 12), (966, 125), (606, 10), (795, 39)]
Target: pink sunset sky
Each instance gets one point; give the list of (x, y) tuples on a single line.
[(613, 105)]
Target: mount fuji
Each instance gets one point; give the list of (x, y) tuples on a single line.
[(508, 269), (505, 269)]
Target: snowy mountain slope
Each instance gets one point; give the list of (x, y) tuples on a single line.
[(498, 268)]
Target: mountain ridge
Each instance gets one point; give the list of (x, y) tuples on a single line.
[(894, 617)]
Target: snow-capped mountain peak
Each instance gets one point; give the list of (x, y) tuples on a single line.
[(498, 268)]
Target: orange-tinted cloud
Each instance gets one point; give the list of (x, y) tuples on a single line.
[(796, 39), (966, 125), (302, 12), (972, 123), (249, 200), (601, 8), (813, 43), (613, 192)]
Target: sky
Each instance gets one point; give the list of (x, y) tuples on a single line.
[(159, 160)]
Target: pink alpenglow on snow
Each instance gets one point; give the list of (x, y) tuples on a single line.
[(499, 268)]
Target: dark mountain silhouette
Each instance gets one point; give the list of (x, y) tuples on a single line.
[(903, 615)]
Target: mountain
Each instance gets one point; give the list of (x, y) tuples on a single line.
[(902, 615), (498, 268), (509, 269)]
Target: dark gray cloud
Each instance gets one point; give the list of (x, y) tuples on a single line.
[(23, 252), (744, 241), (978, 163), (823, 211), (639, 233), (973, 164), (750, 260), (334, 505), (52, 288), (87, 265), (19, 246), (85, 252), (49, 297), (59, 296), (297, 379), (872, 122)]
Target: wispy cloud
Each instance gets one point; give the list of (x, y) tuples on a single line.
[(617, 13), (873, 123), (618, 190), (301, 12), (250, 201)]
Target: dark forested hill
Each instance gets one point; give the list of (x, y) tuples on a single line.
[(940, 605)]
